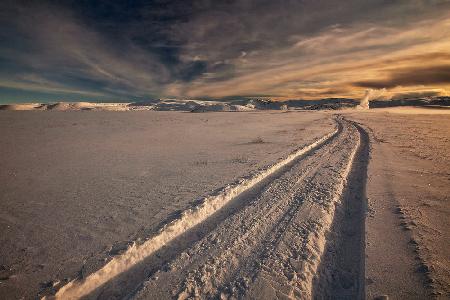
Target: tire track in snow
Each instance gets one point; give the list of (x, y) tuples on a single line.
[(342, 270), (273, 247), (250, 231), (189, 218)]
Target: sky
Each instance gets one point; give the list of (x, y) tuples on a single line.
[(85, 50)]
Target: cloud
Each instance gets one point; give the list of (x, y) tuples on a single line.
[(66, 53), (418, 94), (287, 49), (344, 56), (434, 75)]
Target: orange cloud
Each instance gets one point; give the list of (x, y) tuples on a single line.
[(339, 61)]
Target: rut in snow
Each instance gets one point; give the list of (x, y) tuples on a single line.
[(188, 220)]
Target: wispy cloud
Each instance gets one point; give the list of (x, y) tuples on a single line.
[(68, 54), (285, 49), (336, 58)]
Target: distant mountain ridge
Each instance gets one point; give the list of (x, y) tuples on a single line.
[(239, 105)]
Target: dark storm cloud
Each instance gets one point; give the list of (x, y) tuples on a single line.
[(435, 75), (414, 95), (205, 48)]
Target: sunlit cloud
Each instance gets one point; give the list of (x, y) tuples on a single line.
[(342, 58), (283, 50)]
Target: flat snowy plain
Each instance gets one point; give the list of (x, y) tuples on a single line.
[(262, 204)]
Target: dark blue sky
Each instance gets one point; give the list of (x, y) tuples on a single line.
[(128, 50)]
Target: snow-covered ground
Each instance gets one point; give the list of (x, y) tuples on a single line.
[(76, 187), (260, 204), (408, 188)]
